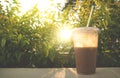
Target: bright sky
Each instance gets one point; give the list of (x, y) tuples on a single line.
[(42, 4)]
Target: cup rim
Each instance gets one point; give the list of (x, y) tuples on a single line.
[(86, 29)]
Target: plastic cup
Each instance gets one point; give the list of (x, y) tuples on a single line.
[(85, 41)]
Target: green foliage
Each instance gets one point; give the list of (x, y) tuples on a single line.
[(109, 41), (25, 40), (31, 40)]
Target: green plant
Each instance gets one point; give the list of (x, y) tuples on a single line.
[(26, 41), (109, 40), (31, 40)]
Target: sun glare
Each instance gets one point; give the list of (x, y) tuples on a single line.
[(42, 5), (66, 34)]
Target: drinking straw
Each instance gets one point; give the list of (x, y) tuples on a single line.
[(90, 15)]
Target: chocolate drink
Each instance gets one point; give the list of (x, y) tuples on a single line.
[(85, 60)]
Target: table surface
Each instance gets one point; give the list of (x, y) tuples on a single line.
[(109, 72)]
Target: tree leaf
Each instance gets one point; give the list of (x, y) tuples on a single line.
[(3, 42), (19, 37)]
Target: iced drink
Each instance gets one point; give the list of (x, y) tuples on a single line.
[(85, 46)]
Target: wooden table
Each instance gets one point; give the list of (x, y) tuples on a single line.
[(113, 72)]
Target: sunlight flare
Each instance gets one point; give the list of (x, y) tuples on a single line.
[(66, 34)]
